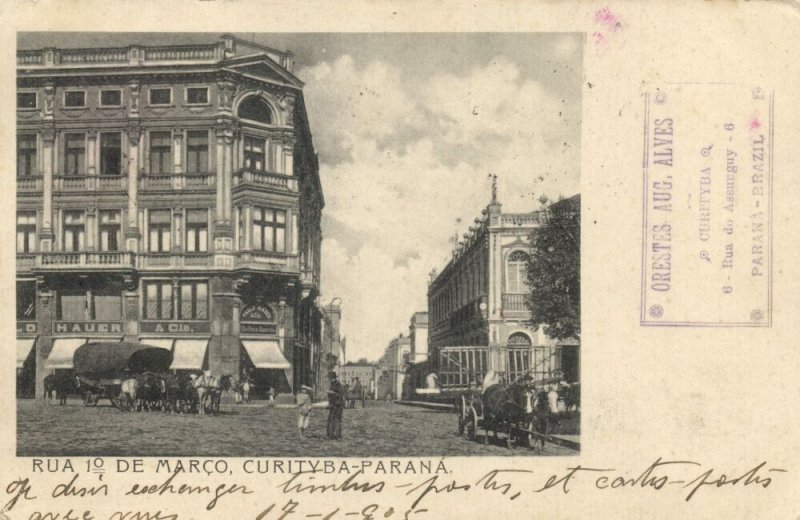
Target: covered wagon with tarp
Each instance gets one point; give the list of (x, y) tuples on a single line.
[(102, 366)]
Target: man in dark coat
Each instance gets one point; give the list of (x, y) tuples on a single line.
[(336, 399)]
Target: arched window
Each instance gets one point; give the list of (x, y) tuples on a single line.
[(255, 109), (517, 273), (518, 339)]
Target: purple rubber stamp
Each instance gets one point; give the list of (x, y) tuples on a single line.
[(707, 206)]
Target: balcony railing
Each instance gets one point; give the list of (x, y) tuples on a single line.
[(170, 261), (90, 183), (515, 303), (93, 260), (266, 259), (133, 55), (29, 184), (177, 182), (251, 177), (189, 52), (26, 261), (521, 219)]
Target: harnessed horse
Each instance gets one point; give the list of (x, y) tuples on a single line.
[(209, 390)]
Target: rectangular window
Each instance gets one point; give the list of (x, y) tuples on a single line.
[(158, 300), (160, 96), (197, 95), (74, 154), (254, 153), (160, 152), (196, 231), (269, 230), (197, 151), (74, 230), (26, 100), (110, 230), (73, 306), (111, 154), (194, 301), (26, 155), (159, 227), (110, 98), (26, 301), (75, 98), (106, 303), (26, 231)]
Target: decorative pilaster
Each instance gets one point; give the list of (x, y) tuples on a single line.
[(91, 152), (134, 90), (132, 233), (223, 228), (177, 146), (46, 235)]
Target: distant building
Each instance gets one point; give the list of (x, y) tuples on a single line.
[(418, 334), (478, 316), (367, 374), (393, 363)]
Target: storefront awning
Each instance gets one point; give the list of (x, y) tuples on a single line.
[(158, 342), (24, 347), (189, 354), (63, 350), (266, 354)]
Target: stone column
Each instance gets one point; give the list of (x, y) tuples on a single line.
[(288, 159), (224, 347), (177, 151), (91, 152), (44, 343), (132, 231), (46, 235), (131, 309), (220, 156)]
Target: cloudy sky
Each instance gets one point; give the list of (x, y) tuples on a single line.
[(408, 127)]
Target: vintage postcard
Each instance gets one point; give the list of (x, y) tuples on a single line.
[(400, 260)]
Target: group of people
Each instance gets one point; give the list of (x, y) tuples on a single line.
[(336, 402)]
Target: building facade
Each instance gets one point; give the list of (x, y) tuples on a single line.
[(478, 316), (393, 365), (169, 195), (366, 374), (418, 334)]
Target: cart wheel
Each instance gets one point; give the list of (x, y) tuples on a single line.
[(472, 426)]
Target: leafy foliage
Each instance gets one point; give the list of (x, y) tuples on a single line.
[(554, 272)]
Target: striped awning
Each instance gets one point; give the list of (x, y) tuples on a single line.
[(62, 352), (266, 354), (24, 347), (189, 354)]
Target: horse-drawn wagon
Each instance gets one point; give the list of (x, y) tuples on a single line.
[(525, 410), (102, 367)]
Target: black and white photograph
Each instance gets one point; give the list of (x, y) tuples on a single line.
[(298, 244)]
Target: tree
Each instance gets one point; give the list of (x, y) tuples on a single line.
[(554, 274)]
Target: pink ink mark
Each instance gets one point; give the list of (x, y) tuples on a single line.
[(754, 123), (606, 18), (598, 37)]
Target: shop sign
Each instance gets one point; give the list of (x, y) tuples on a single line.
[(87, 327), (258, 313), (175, 327), (27, 327), (268, 329)]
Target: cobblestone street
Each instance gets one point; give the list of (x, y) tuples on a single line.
[(255, 430)]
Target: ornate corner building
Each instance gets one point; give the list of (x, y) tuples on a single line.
[(169, 195), (478, 316)]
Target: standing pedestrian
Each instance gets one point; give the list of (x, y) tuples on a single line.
[(336, 405), (304, 409)]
